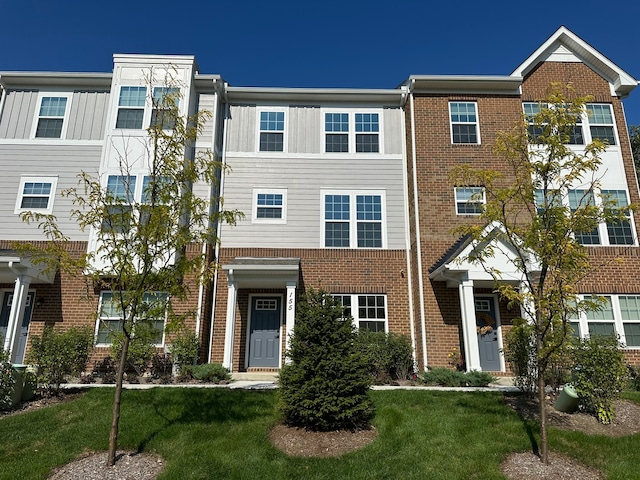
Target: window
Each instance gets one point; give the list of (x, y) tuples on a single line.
[(598, 122), (619, 232), (352, 132), (579, 199), (464, 122), (272, 131), (131, 107), (370, 312), (601, 322), (353, 220), (165, 100), (120, 191), (630, 313), (601, 123), (269, 205), (619, 315), (110, 317), (469, 200), (51, 115), (36, 194)]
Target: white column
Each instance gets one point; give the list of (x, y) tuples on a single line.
[(468, 310), (20, 291), (230, 327), (290, 313)]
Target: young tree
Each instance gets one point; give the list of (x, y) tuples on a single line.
[(634, 137), (142, 256), (545, 201), (326, 385)]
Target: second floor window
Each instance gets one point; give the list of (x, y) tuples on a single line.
[(353, 220)]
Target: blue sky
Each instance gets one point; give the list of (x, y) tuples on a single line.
[(333, 43)]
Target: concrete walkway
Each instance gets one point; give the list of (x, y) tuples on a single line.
[(269, 381)]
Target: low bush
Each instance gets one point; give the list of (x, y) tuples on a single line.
[(184, 349), (208, 372), (389, 355), (60, 354), (445, 377), (139, 354), (7, 380), (599, 375), (634, 377), (162, 367), (519, 353)]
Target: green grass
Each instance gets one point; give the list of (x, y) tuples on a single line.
[(221, 433)]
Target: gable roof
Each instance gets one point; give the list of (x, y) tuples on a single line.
[(566, 46)]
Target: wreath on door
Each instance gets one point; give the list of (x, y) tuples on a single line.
[(486, 323)]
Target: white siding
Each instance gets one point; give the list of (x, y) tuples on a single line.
[(305, 129), (241, 136), (206, 102), (393, 138), (88, 115), (42, 160), (304, 178), (17, 115)]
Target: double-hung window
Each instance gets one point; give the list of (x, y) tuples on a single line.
[(352, 132), (617, 315), (118, 216), (630, 316), (353, 220), (36, 194), (369, 312), (469, 200), (165, 101), (601, 122), (269, 205), (131, 105), (619, 231), (271, 131), (52, 112), (464, 122), (151, 321), (579, 199)]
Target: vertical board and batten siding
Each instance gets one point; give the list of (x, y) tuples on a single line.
[(392, 123), (206, 101), (304, 178), (65, 162), (88, 115), (242, 128), (305, 129), (17, 115)]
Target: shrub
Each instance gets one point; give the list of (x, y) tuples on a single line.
[(634, 378), (519, 352), (139, 354), (599, 375), (60, 354), (184, 349), (445, 377), (326, 385), (208, 372), (389, 355), (7, 379), (105, 369), (162, 367)]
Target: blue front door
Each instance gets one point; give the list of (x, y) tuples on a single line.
[(264, 332), (7, 301), (487, 330)]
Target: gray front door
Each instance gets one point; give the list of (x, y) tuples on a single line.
[(7, 300), (264, 333), (487, 330)]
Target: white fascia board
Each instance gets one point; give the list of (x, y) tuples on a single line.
[(350, 95), (621, 81), (55, 79), (474, 84)]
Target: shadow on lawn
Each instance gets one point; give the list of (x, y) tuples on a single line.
[(207, 406), (519, 403)]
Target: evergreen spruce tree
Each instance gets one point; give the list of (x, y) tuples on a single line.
[(326, 384)]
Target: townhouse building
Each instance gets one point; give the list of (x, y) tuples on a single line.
[(346, 190)]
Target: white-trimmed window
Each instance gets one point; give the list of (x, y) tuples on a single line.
[(164, 100), (269, 205), (121, 189), (619, 315), (353, 219), (110, 318), (51, 121), (131, 105), (464, 122), (369, 312), (36, 194), (271, 134), (596, 123), (469, 200), (352, 132)]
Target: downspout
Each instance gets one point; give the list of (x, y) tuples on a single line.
[(417, 226), (222, 94), (407, 235), (205, 245)]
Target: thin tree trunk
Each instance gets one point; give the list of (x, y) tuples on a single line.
[(115, 416), (544, 442)]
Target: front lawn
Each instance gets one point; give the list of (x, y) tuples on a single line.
[(222, 433)]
